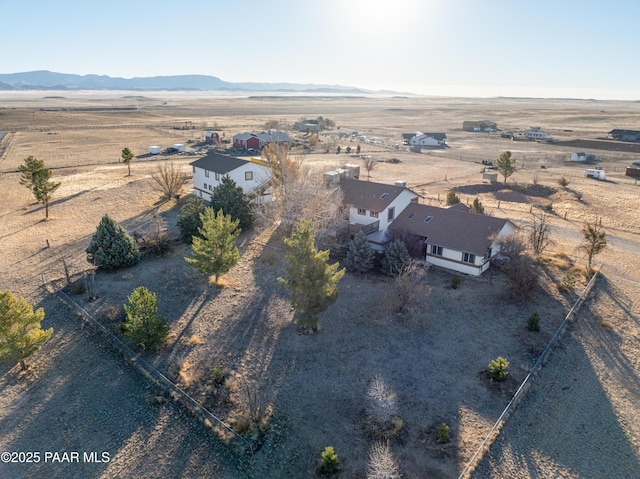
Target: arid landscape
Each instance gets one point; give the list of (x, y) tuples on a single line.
[(580, 419)]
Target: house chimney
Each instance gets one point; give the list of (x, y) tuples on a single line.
[(401, 183)]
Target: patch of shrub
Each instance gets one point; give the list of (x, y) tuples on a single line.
[(452, 198), (568, 282), (498, 369), (382, 400), (442, 433), (563, 182), (533, 323), (160, 246), (329, 460), (217, 374), (382, 464), (549, 207), (455, 282)]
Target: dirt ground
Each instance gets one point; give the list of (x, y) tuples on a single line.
[(578, 421)]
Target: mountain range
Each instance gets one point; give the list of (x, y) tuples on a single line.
[(47, 80)]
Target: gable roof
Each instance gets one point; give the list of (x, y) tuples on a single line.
[(451, 228), (624, 132), (370, 195), (435, 136), (218, 163)]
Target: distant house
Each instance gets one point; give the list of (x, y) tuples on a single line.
[(452, 238), (212, 137), (579, 156), (624, 135), (479, 125), (373, 206), (534, 133), (252, 176), (419, 139), (256, 141)]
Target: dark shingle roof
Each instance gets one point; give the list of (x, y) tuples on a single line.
[(451, 228), (218, 163), (369, 195)]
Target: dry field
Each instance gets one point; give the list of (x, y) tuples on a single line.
[(581, 419)]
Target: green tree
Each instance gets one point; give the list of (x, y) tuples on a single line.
[(144, 326), (506, 165), (396, 258), (595, 241), (452, 198), (477, 207), (498, 369), (312, 281), (329, 460), (360, 255), (348, 150), (215, 253), (127, 156), (37, 178), (111, 246), (230, 198), (358, 149), (20, 331), (338, 150), (189, 221)]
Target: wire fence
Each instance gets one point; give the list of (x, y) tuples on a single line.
[(524, 386), (148, 371)]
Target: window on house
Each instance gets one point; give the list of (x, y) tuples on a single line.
[(411, 215), (193, 170), (205, 186), (391, 213), (436, 250), (248, 175), (206, 173), (217, 176), (210, 187), (362, 211), (469, 258), (428, 218), (373, 214)]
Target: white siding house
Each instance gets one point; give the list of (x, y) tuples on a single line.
[(252, 176), (534, 133), (428, 139)]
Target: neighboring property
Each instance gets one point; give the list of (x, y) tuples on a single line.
[(373, 206), (452, 238), (212, 137), (256, 141), (579, 156), (534, 133), (420, 139), (479, 125), (624, 135), (251, 175), (633, 170)]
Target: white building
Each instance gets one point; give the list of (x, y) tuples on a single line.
[(428, 139), (534, 133)]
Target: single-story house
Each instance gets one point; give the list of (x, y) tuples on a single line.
[(452, 238), (579, 156), (373, 206), (251, 175), (256, 141), (429, 139), (534, 133), (624, 135)]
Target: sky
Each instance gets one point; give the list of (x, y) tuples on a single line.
[(543, 48)]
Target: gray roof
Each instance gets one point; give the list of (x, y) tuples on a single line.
[(452, 228), (218, 163), (369, 195)]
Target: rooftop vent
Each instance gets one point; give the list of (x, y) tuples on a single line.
[(401, 183), (384, 195), (428, 219)]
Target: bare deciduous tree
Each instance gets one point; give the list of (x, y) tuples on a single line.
[(382, 400), (538, 232), (382, 464), (168, 179), (369, 164)]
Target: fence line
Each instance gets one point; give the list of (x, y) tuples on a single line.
[(147, 370), (493, 433)]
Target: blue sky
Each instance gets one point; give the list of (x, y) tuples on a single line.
[(576, 49)]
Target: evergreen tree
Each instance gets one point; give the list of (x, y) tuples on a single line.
[(452, 198), (595, 241), (477, 207), (144, 326), (215, 253), (111, 246), (312, 281), (229, 198), (360, 255), (189, 218), (20, 332), (127, 156), (396, 258), (28, 169), (506, 165), (37, 178)]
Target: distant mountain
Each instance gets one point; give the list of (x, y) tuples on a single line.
[(46, 80)]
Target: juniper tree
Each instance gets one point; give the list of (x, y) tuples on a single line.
[(189, 220), (312, 282), (215, 252), (20, 331), (230, 198), (396, 258), (111, 246), (144, 326), (360, 255)]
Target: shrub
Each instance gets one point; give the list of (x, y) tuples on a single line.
[(396, 258), (477, 207), (563, 182), (549, 207), (568, 282), (498, 369), (442, 433), (452, 198), (383, 401), (533, 323), (144, 326), (217, 373), (111, 246), (360, 255), (189, 219), (455, 282), (329, 460), (160, 245), (382, 464)]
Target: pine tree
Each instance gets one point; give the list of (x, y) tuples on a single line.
[(215, 253), (312, 281), (396, 258), (36, 178), (594, 242), (506, 165), (20, 331), (28, 169), (144, 326), (111, 246), (189, 219), (477, 207), (127, 156), (360, 255), (230, 198)]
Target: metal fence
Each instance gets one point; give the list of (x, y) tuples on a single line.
[(147, 370), (524, 386)]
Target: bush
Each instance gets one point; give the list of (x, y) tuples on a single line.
[(498, 369), (382, 464), (455, 282), (217, 373), (533, 323), (360, 255), (329, 460), (477, 207), (452, 198), (549, 207), (568, 283), (144, 326), (442, 433), (382, 400), (563, 182), (160, 245), (111, 246), (396, 258)]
